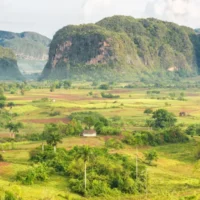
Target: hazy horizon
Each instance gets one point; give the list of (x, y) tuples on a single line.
[(47, 16)]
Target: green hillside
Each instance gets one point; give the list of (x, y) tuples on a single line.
[(197, 30), (8, 65), (27, 46), (122, 47)]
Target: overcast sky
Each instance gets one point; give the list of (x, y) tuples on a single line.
[(47, 16)]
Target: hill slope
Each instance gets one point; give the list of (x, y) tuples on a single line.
[(8, 65), (30, 48), (120, 47)]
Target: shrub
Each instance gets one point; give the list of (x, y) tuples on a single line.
[(10, 196), (148, 111), (34, 137), (107, 130), (104, 87), (151, 156), (1, 158), (170, 135), (114, 144), (36, 173), (109, 95), (193, 129), (94, 117), (55, 113), (37, 155), (106, 173), (197, 152)]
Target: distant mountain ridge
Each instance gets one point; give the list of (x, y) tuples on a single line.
[(8, 65), (31, 48), (121, 47), (197, 30)]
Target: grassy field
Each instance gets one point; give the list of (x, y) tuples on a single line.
[(176, 173)]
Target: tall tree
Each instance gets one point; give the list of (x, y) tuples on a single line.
[(52, 135), (85, 153)]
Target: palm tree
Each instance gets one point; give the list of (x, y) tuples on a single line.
[(14, 127), (51, 135), (53, 139), (85, 153)]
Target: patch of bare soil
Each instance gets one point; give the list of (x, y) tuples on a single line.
[(4, 164), (4, 135)]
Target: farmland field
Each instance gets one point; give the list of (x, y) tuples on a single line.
[(175, 175)]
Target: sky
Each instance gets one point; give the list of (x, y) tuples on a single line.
[(48, 16)]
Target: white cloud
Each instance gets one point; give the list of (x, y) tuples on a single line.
[(47, 16), (184, 12)]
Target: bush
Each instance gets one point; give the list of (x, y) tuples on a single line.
[(55, 113), (104, 87), (109, 95), (105, 172), (193, 129), (30, 176), (107, 130), (1, 158), (89, 118), (148, 111), (151, 156), (197, 152), (10, 196), (114, 144), (170, 135), (37, 155)]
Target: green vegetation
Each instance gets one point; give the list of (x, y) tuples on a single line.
[(151, 156), (105, 174), (193, 129), (170, 135), (36, 173), (163, 119), (130, 158), (109, 95), (31, 49), (8, 65), (114, 144)]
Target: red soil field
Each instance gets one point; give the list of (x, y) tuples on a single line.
[(4, 164), (4, 135)]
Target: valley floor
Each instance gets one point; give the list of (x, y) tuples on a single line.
[(175, 175)]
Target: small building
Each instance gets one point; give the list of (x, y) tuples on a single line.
[(89, 133)]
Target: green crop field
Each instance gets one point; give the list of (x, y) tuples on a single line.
[(174, 176)]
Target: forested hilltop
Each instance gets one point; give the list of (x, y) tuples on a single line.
[(8, 65), (122, 47), (31, 49)]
